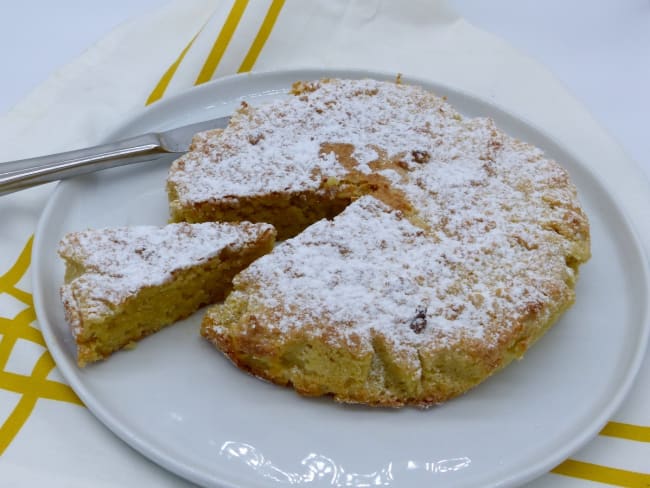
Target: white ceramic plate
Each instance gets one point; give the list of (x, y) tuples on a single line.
[(179, 402)]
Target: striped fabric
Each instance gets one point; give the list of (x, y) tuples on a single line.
[(39, 414)]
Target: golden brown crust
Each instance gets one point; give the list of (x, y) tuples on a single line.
[(458, 247)]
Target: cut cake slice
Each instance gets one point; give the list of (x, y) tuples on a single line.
[(122, 284)]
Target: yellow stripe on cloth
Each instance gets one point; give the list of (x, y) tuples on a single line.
[(261, 37), (9, 280), (603, 474), (10, 428), (46, 389), (17, 328), (218, 49), (221, 43), (31, 334), (36, 385), (627, 431), (159, 90), (32, 388)]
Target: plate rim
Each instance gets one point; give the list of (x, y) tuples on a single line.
[(180, 469)]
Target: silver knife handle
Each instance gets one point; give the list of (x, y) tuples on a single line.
[(18, 175)]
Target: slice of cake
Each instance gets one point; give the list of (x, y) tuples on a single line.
[(123, 284)]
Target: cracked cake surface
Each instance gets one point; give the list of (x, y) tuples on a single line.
[(428, 249)]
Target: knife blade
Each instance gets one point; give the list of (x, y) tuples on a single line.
[(25, 173)]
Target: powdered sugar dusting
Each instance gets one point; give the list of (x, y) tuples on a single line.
[(113, 264), (494, 234), (276, 147)]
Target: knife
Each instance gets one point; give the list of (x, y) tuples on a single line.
[(25, 173)]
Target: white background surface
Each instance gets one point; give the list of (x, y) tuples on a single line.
[(600, 49)]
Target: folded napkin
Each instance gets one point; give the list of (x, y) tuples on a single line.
[(47, 437)]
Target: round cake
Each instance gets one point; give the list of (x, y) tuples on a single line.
[(425, 250)]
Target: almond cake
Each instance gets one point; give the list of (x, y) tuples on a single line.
[(425, 250)]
